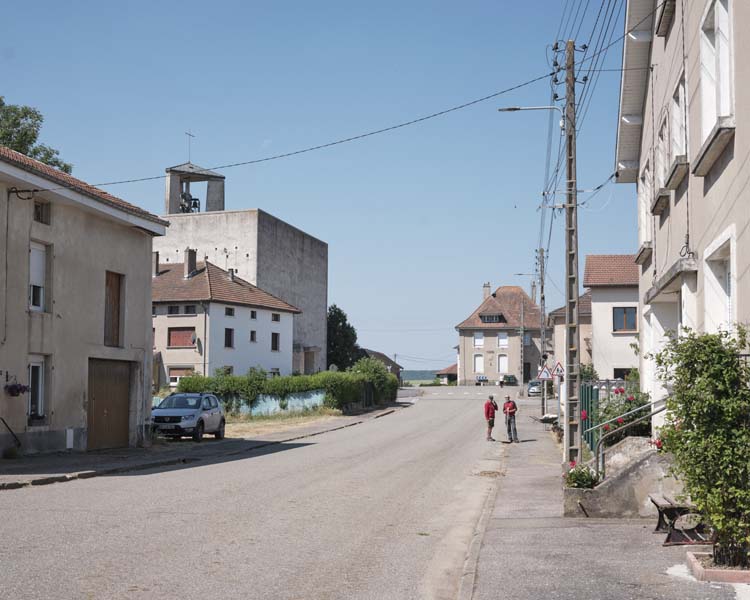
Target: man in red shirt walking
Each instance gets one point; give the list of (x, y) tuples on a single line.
[(510, 409), (490, 407)]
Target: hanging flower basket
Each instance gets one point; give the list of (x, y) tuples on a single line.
[(16, 389)]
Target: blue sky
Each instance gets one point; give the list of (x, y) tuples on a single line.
[(416, 219)]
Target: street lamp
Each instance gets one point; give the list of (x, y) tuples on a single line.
[(551, 107)]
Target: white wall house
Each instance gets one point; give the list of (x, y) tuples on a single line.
[(206, 318), (682, 139), (262, 249), (612, 280), (74, 311)]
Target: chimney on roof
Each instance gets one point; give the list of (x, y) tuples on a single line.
[(231, 274), (533, 291), (190, 262), (154, 264), (486, 291)]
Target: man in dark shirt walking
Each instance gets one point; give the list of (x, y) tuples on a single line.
[(490, 407), (510, 409)]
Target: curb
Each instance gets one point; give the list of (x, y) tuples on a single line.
[(469, 575), (89, 474)]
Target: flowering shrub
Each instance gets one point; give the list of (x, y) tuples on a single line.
[(16, 389), (707, 432), (584, 414), (624, 399), (580, 476)]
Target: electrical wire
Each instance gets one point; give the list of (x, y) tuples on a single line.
[(328, 144)]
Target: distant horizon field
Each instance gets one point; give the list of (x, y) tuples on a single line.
[(418, 375)]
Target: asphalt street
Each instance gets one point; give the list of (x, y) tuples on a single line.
[(386, 509)]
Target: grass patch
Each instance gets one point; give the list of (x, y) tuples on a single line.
[(320, 411)]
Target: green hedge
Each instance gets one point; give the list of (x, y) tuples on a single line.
[(340, 388)]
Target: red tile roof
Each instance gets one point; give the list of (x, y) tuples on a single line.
[(610, 270), (584, 308), (452, 370), (64, 180), (506, 301), (211, 283)]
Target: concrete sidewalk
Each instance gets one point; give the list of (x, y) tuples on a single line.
[(529, 551), (44, 469)]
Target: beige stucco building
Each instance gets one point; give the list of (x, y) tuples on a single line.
[(262, 249), (75, 324), (682, 138), (501, 337), (556, 329)]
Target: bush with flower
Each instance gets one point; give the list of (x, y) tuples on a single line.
[(580, 476), (620, 400)]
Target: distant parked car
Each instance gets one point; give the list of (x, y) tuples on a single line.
[(535, 388), (180, 415), (509, 380)]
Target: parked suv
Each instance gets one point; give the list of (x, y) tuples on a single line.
[(189, 414)]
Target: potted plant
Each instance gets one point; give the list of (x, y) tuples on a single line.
[(16, 389)]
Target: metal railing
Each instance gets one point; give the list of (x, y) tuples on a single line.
[(600, 466)]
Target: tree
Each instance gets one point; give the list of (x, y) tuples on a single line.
[(19, 130), (342, 339), (707, 431)]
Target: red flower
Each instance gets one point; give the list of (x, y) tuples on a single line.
[(584, 415), (606, 428), (620, 420), (631, 398), (572, 464), (658, 444), (622, 390)]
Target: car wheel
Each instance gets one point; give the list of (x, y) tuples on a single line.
[(198, 432), (220, 431)]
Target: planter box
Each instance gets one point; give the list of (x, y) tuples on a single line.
[(701, 573)]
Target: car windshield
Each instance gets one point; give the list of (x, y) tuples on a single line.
[(181, 401), (535, 383)]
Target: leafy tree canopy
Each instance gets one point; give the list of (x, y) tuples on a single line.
[(19, 130), (342, 339)]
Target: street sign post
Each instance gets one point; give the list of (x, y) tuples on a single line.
[(544, 374)]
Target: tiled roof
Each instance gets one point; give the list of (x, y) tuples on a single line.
[(584, 308), (211, 283), (452, 370), (610, 270), (64, 180), (506, 301)]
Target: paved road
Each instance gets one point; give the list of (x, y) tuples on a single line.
[(385, 509)]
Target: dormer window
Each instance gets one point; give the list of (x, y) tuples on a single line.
[(492, 319)]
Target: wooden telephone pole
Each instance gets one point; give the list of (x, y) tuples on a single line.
[(572, 431)]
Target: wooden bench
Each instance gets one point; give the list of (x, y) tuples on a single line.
[(680, 521)]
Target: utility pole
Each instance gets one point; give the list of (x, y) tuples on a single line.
[(522, 333), (543, 328), (572, 431)]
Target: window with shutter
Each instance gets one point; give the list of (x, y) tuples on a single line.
[(181, 337), (37, 276), (112, 309)]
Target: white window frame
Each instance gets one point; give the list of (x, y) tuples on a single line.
[(720, 291), (502, 339), (37, 362), (37, 275), (660, 156), (478, 339), (644, 205), (678, 127), (478, 360), (174, 380), (502, 358), (716, 66)]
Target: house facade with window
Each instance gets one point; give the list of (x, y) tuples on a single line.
[(682, 139), (612, 282), (556, 326), (207, 319), (501, 337), (262, 249), (75, 331)]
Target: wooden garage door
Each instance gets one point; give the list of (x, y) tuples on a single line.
[(108, 403)]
